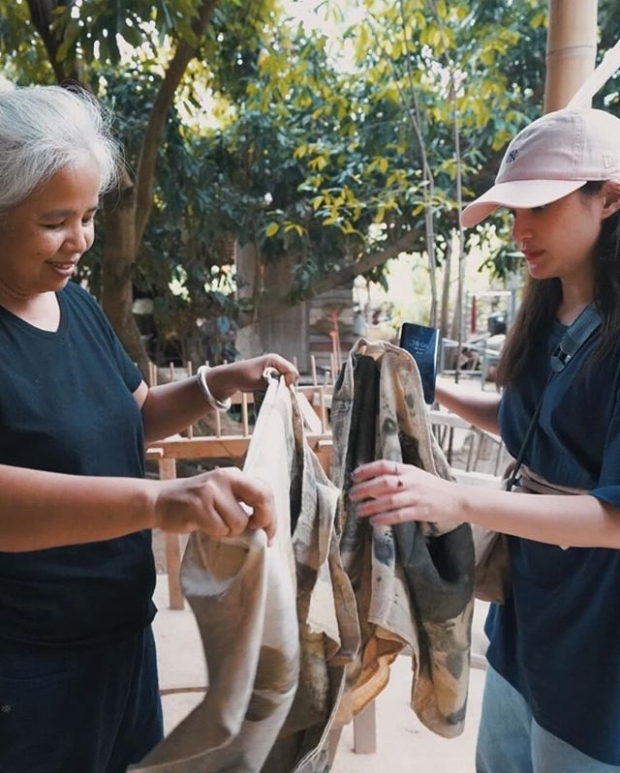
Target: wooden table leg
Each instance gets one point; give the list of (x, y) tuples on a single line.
[(168, 471), (365, 730)]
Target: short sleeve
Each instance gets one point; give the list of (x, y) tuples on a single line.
[(608, 487)]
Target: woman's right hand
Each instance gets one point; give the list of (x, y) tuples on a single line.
[(211, 503)]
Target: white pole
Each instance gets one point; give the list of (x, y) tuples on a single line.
[(571, 49)]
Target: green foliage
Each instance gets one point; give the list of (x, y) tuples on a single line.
[(184, 244), (314, 152), (93, 30), (350, 134), (23, 52)]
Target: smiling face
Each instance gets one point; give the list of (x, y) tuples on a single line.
[(43, 237), (559, 239)]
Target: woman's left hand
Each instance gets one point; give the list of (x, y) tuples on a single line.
[(392, 492), (248, 375)]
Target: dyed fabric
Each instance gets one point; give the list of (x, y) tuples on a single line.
[(277, 623), (413, 582), (298, 637)]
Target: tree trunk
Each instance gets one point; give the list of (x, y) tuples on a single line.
[(276, 299), (445, 291), (125, 224), (117, 273), (284, 332), (247, 264)]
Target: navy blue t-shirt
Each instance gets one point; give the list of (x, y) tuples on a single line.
[(66, 405), (557, 637)]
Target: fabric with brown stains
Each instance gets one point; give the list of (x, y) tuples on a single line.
[(414, 581)]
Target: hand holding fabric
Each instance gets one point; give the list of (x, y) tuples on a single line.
[(248, 375), (213, 503), (390, 492)]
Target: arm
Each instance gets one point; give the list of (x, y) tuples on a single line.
[(43, 510), (582, 521), (394, 493), (478, 408), (170, 408)]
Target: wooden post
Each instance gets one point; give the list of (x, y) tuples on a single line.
[(365, 730), (245, 419), (571, 49), (168, 471), (190, 372), (323, 410)]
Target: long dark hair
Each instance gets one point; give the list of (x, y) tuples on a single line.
[(542, 298)]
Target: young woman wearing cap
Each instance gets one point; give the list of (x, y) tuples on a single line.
[(552, 694)]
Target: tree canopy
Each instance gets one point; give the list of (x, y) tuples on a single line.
[(332, 154)]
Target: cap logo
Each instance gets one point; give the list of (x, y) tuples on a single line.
[(512, 156)]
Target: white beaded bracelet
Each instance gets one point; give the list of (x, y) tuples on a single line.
[(201, 378)]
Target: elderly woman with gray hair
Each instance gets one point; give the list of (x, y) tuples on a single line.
[(78, 674)]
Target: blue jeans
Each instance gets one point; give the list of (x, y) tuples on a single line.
[(84, 710), (511, 741)]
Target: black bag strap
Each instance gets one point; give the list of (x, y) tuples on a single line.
[(581, 329), (577, 334)]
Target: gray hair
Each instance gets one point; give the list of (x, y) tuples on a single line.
[(46, 128)]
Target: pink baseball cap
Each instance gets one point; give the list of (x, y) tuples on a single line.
[(552, 157)]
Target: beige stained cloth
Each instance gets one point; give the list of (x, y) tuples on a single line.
[(413, 582), (242, 593), (278, 624)]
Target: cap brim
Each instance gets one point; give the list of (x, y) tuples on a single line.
[(517, 194)]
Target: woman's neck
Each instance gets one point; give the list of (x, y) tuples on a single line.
[(40, 310), (574, 300)]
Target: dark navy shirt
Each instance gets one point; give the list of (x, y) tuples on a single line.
[(557, 638), (66, 405)]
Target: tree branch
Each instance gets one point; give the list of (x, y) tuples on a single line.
[(42, 17), (406, 243), (157, 119)]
